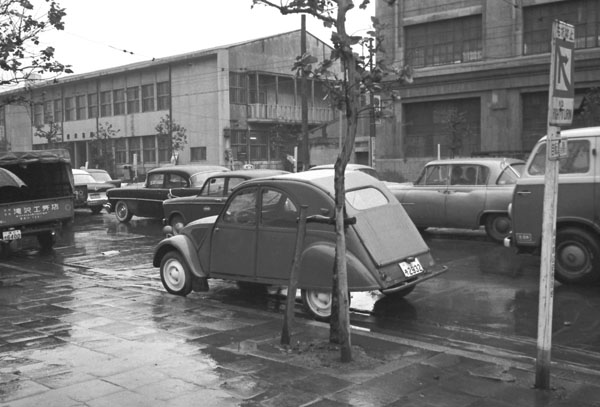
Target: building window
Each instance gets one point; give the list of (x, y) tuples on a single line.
[(148, 98), (239, 145), (258, 147), (163, 96), (444, 42), (69, 109), (133, 100), (118, 102), (48, 111), (164, 147), (198, 153), (105, 104), (80, 106), (92, 104), (238, 88), (149, 149), (134, 148), (255, 93), (58, 110), (453, 125), (120, 151), (38, 114), (537, 24)]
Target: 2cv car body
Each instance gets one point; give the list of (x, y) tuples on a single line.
[(253, 240)]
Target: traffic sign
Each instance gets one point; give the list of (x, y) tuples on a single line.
[(562, 89)]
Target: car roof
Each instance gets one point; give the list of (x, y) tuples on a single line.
[(188, 169), (580, 132), (349, 166), (255, 173), (322, 178), (90, 170), (476, 160)]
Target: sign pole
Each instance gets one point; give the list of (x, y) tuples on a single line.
[(560, 112)]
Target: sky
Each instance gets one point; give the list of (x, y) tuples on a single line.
[(102, 34)]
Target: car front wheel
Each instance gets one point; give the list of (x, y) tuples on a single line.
[(317, 303), (175, 274), (497, 226), (122, 212), (577, 256)]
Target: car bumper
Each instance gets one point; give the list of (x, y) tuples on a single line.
[(419, 280)]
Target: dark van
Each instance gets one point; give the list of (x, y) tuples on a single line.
[(578, 207)]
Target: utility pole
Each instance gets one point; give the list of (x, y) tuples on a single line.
[(303, 84), (372, 129)]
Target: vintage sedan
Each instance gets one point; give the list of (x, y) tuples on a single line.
[(463, 193), (146, 200), (103, 176), (253, 240), (182, 210), (89, 193)]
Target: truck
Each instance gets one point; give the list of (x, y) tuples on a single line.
[(36, 196), (577, 248)]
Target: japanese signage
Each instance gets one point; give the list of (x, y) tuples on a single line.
[(562, 89), (28, 212)]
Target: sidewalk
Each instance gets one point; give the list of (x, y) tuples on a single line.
[(90, 338)]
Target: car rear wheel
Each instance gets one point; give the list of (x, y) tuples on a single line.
[(175, 274), (497, 226), (46, 240), (122, 212), (577, 256), (317, 303)]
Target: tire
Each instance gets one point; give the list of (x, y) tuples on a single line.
[(96, 210), (122, 212), (577, 257), (177, 223), (497, 227), (402, 293), (317, 303), (175, 274), (46, 241)]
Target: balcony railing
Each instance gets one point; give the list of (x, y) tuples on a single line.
[(283, 113)]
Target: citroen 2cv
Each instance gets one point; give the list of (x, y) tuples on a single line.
[(253, 239)]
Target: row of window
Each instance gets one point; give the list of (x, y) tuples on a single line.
[(135, 99), (460, 40)]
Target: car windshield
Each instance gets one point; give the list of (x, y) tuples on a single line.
[(101, 176), (577, 160), (83, 179)]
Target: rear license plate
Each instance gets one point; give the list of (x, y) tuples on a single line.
[(11, 235), (94, 196), (411, 268)]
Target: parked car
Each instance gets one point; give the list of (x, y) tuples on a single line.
[(577, 247), (463, 193), (161, 183), (350, 167), (103, 176), (253, 240), (182, 210), (89, 193)]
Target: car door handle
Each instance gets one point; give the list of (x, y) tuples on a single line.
[(523, 193)]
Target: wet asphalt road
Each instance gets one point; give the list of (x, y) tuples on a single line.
[(488, 301)]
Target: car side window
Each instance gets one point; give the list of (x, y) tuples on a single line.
[(277, 209), (434, 175), (234, 182), (241, 209), (156, 180)]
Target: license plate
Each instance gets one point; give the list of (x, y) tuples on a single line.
[(411, 268), (11, 235), (94, 196)]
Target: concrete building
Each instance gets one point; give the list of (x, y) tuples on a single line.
[(239, 104), (481, 76)]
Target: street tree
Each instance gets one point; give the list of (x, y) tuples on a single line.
[(360, 75), (175, 133), (22, 55), (101, 146), (51, 132)]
